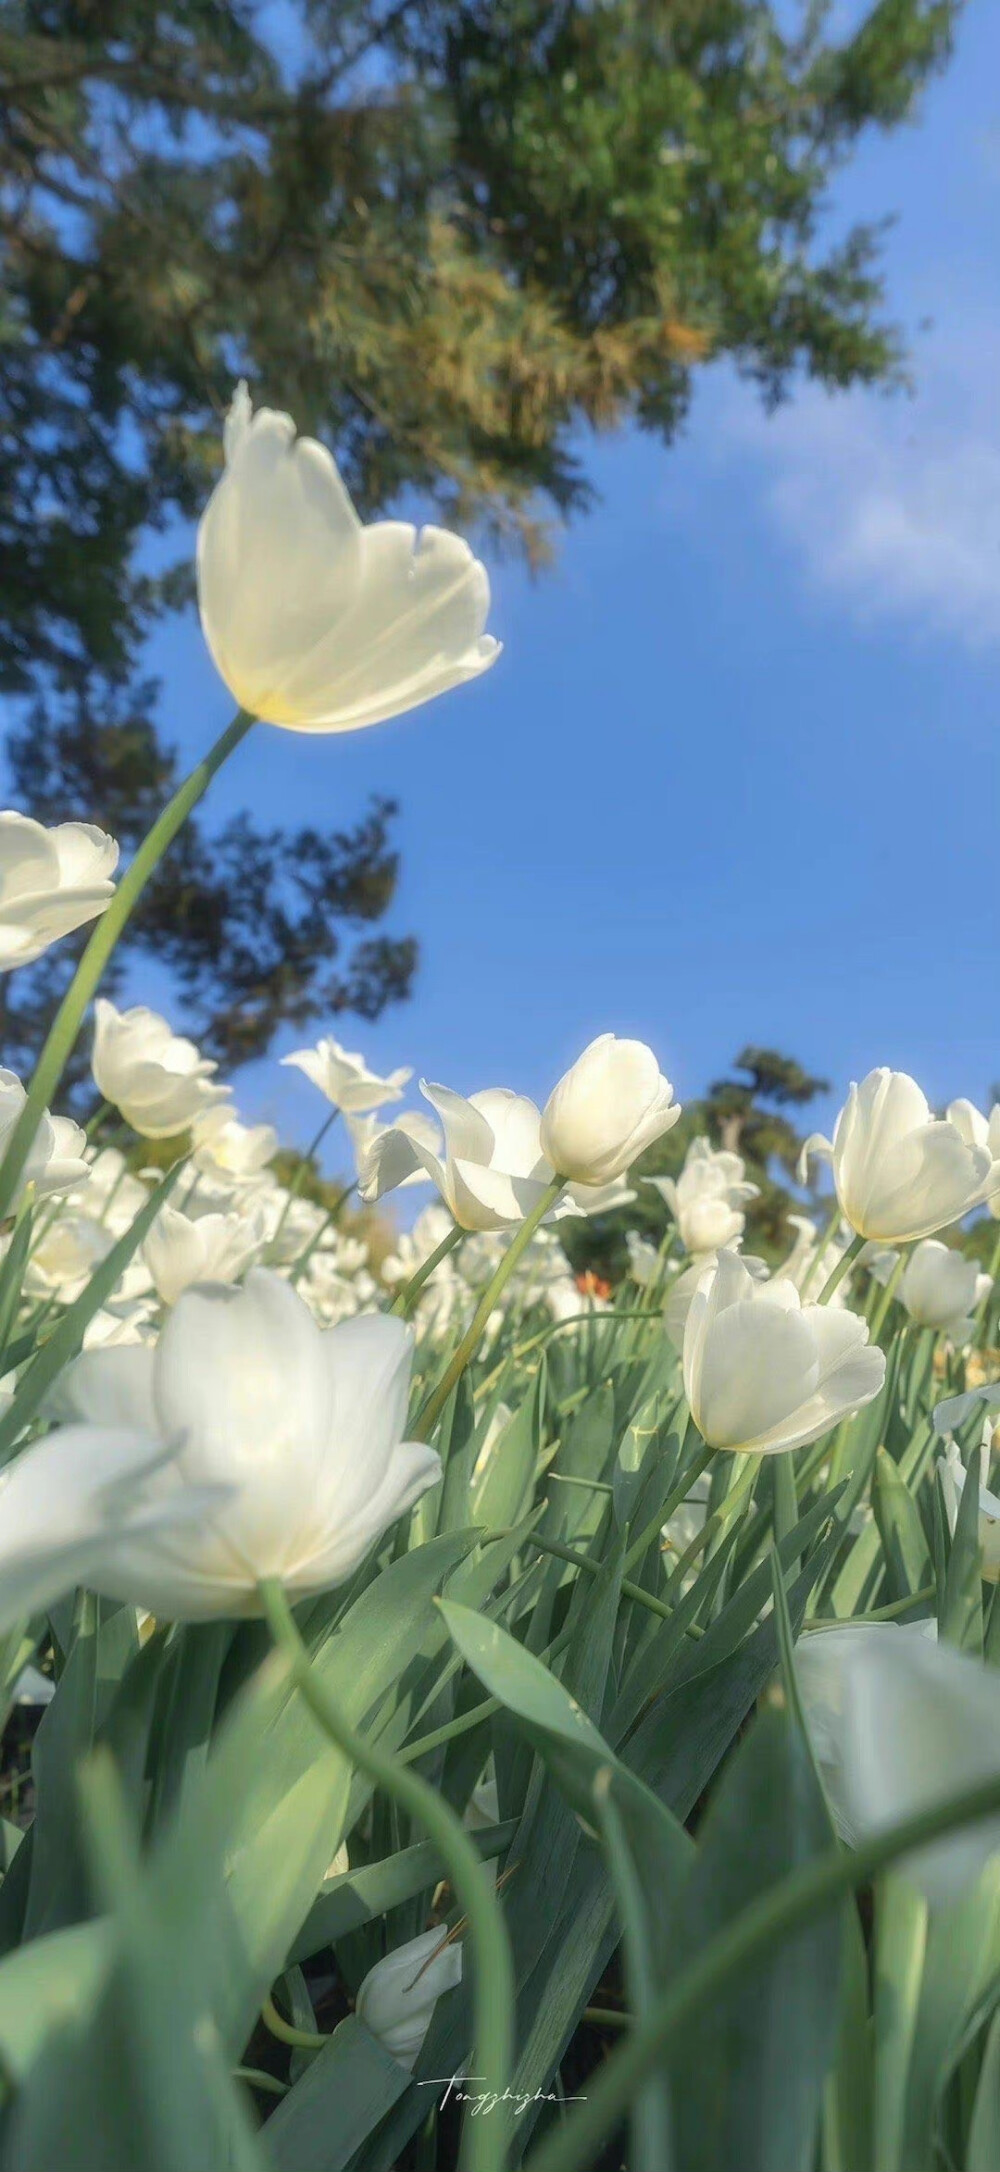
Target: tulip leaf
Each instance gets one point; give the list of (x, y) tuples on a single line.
[(901, 1919), (983, 2153), (904, 1544), (343, 2095), (47, 1983), (497, 1496), (748, 2090), (356, 1897)]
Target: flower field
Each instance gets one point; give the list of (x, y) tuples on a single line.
[(460, 1712)]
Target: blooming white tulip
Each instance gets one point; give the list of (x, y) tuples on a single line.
[(764, 1372), (982, 1131), (345, 1078), (940, 1289), (899, 1723), (681, 1290), (493, 1171), (156, 1078), (899, 1172), (707, 1198), (612, 1103), (314, 621), (212, 1248), (231, 1152), (65, 1255), (51, 881), (56, 1161), (398, 1996), (293, 1435)]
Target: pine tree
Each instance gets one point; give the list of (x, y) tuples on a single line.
[(444, 234)]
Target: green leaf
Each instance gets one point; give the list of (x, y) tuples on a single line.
[(341, 2098), (357, 1897), (747, 2090), (901, 1920), (961, 1617), (498, 1493), (904, 1544), (983, 2153)]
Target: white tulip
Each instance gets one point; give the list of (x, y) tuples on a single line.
[(952, 1471), (345, 1078), (708, 1197), (612, 1103), (231, 1152), (212, 1248), (111, 1193), (940, 1289), (645, 1264), (51, 882), (899, 1723), (811, 1261), (982, 1131), (763, 1372), (314, 621), (364, 1130), (292, 1435), (156, 1078), (398, 1996), (899, 1172), (493, 1171), (681, 1290), (56, 1160), (65, 1255)]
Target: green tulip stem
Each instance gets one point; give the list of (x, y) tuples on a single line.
[(431, 1409), (293, 1189), (403, 1303), (775, 1915), (889, 1292), (69, 1017), (484, 2141), (843, 1267), (824, 1238)]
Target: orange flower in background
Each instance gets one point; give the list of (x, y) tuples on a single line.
[(591, 1284)]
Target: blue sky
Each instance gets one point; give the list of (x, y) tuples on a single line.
[(735, 776)]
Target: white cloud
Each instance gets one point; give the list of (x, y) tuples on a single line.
[(893, 503)]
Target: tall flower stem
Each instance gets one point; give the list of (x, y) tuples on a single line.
[(484, 2141), (775, 1915), (983, 1311), (69, 1017), (431, 1410), (843, 1266), (293, 1189), (411, 1289), (889, 1292)]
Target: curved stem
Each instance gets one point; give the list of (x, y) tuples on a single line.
[(431, 1410), (293, 1189), (843, 1266), (773, 1916), (69, 1017), (406, 1298), (299, 2039), (484, 2141)]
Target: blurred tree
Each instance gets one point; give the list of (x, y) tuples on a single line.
[(444, 234)]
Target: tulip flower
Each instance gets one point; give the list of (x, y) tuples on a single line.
[(212, 1248), (940, 1289), (899, 1172), (952, 1473), (398, 1996), (982, 1131), (707, 1199), (345, 1078), (51, 881), (294, 1435), (231, 1152), (605, 1110), (681, 1289), (157, 1079), (111, 1194), (492, 1173), (56, 1162), (315, 622), (764, 1372), (364, 1130), (899, 1723)]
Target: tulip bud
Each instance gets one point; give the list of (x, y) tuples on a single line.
[(611, 1105), (398, 1996)]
